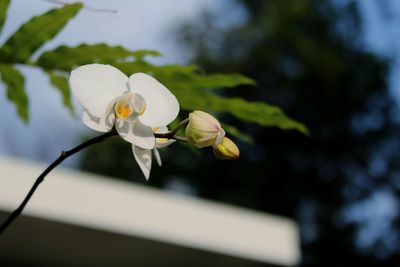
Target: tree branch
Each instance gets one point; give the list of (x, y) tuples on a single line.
[(39, 180)]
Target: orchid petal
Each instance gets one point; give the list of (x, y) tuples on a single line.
[(220, 136), (162, 129), (143, 158), (157, 156), (139, 104), (136, 133), (96, 85), (104, 124), (162, 107), (163, 142)]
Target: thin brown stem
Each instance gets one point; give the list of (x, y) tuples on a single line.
[(171, 135), (180, 138), (64, 154)]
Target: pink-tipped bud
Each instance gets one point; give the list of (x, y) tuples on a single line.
[(203, 129)]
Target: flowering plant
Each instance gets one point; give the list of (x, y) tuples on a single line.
[(139, 108)]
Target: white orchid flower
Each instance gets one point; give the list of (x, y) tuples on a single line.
[(144, 156), (135, 105)]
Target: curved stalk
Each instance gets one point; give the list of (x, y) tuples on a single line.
[(172, 134), (65, 154), (39, 180)]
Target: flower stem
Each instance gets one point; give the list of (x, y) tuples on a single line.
[(39, 180), (180, 138), (171, 135), (182, 123)]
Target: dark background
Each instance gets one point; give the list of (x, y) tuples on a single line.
[(341, 184)]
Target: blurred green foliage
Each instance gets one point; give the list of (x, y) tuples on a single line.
[(188, 83), (307, 57)]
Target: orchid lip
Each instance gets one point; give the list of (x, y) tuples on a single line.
[(129, 104)]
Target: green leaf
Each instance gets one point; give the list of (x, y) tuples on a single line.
[(61, 83), (189, 87), (216, 81), (256, 112), (3, 12), (14, 83), (186, 74), (171, 71), (212, 81), (66, 58), (202, 81), (140, 54), (34, 33), (232, 130)]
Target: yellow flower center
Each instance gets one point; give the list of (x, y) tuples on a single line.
[(123, 110), (129, 104), (161, 140)]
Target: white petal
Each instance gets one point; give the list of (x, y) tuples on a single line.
[(163, 142), (143, 158), (139, 104), (104, 124), (162, 107), (162, 129), (136, 133), (96, 85), (220, 136), (157, 156)]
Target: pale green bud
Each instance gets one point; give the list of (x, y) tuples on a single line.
[(203, 129), (226, 149)]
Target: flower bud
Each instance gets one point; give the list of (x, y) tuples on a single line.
[(203, 129), (226, 149)]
